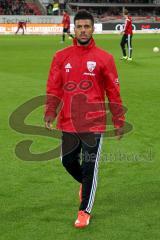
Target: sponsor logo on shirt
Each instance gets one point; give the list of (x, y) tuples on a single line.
[(89, 74), (68, 67)]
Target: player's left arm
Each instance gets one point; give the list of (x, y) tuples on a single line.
[(112, 89)]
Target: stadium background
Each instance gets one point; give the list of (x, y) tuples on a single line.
[(38, 200), (45, 17)]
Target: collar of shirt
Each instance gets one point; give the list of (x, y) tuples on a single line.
[(90, 45)]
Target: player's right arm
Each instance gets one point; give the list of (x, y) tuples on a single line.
[(54, 93)]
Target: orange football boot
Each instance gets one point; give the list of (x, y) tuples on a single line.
[(82, 220)]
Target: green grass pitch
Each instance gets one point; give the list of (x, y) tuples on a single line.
[(38, 200)]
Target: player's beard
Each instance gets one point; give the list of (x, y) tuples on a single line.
[(84, 43)]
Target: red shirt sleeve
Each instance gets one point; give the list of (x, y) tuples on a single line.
[(112, 89), (54, 89)]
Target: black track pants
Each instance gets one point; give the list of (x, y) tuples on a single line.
[(80, 157), (126, 39)]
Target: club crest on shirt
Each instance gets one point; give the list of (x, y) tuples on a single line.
[(91, 66)]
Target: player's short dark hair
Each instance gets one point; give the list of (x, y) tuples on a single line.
[(125, 12), (83, 14)]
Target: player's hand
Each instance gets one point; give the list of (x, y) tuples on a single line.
[(119, 132), (49, 123)]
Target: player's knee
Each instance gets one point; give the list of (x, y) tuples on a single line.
[(88, 169), (66, 161), (122, 45)]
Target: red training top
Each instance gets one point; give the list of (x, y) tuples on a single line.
[(66, 21), (80, 77), (128, 26), (21, 24)]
